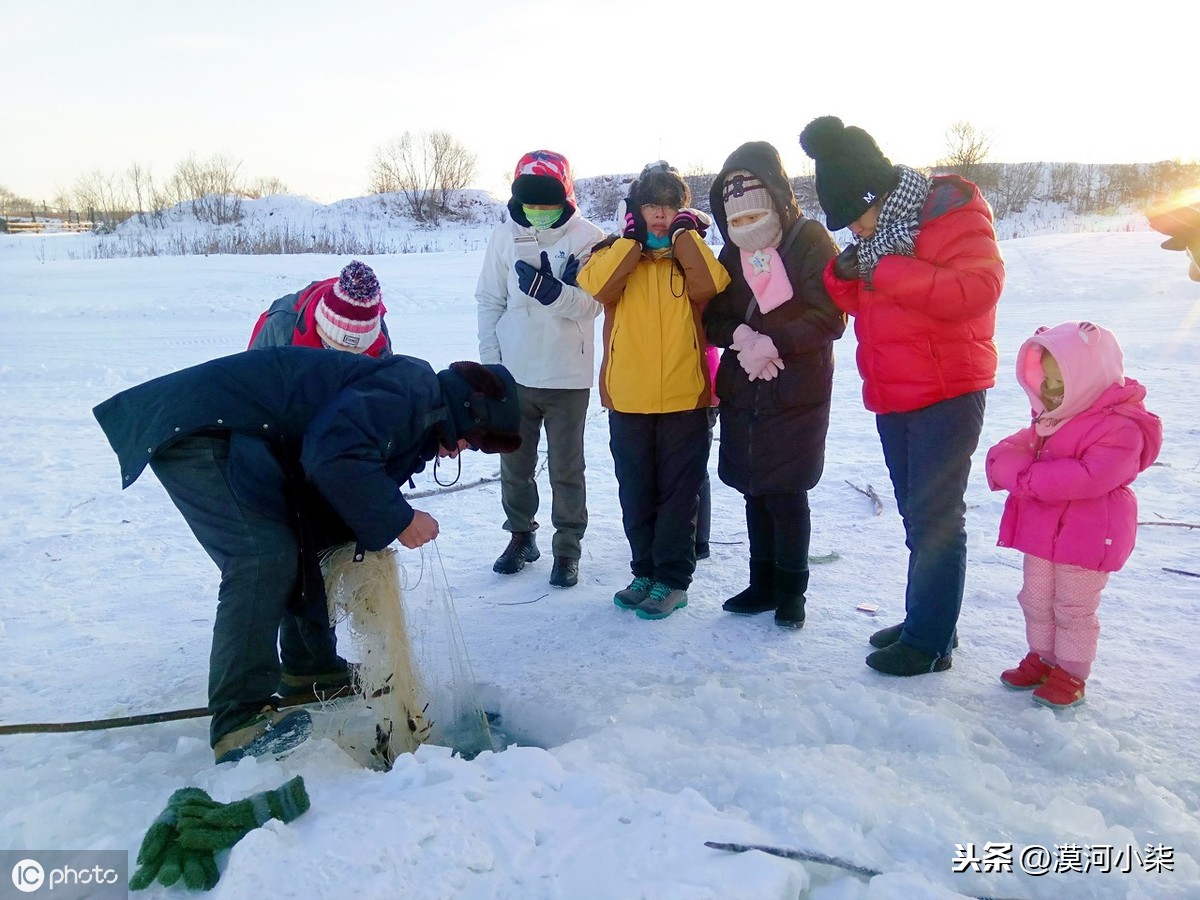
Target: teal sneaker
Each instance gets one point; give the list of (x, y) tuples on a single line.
[(632, 596), (662, 601)]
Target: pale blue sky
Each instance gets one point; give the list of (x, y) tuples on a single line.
[(306, 91)]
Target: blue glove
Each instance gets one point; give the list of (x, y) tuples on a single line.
[(570, 273), (540, 283)]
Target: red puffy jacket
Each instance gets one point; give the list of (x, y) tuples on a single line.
[(925, 327)]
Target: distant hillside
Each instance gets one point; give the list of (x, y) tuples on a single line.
[(1028, 198)]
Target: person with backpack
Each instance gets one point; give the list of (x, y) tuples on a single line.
[(343, 313)]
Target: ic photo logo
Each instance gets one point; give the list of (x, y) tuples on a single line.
[(69, 875), (28, 875)]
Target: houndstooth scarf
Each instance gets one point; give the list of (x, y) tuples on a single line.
[(898, 223)]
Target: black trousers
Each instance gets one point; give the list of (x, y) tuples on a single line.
[(660, 460), (259, 559), (780, 530)]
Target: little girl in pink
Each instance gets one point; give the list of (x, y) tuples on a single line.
[(1069, 506)]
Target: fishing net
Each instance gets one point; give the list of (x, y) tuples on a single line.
[(413, 662)]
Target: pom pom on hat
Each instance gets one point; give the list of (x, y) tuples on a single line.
[(349, 311), (852, 172)]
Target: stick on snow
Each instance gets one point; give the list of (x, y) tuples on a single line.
[(807, 856), (153, 718)]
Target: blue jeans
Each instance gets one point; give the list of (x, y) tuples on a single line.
[(928, 455), (259, 559)]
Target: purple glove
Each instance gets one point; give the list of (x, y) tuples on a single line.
[(635, 225), (685, 220), (689, 220)]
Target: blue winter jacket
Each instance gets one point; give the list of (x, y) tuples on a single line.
[(335, 436)]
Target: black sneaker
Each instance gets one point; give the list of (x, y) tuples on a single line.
[(565, 572), (522, 548), (904, 660)]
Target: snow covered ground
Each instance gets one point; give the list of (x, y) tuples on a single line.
[(638, 741)]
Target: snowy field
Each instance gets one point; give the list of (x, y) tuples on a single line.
[(637, 740)]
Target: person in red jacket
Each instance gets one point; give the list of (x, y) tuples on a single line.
[(343, 313), (922, 280)]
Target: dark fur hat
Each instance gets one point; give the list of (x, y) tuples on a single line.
[(852, 172), (485, 408), (660, 183)]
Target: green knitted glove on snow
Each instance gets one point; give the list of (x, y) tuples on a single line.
[(161, 857), (205, 824)]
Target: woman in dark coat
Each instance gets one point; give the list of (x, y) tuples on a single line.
[(776, 377)]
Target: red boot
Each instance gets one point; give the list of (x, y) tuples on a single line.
[(1062, 689), (1030, 672)]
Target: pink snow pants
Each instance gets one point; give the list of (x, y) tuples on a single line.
[(1060, 603)]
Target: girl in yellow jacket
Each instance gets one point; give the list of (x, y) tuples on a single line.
[(653, 283)]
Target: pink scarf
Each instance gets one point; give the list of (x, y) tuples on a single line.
[(767, 278)]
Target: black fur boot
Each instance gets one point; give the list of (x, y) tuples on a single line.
[(758, 598), (788, 590)]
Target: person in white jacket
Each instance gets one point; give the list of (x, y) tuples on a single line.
[(536, 321)]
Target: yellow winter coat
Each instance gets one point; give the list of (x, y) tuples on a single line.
[(654, 360)]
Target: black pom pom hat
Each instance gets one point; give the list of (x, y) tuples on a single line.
[(852, 172)]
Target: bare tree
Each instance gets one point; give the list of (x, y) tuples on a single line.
[(1016, 186), (425, 169), (966, 149), (454, 163), (600, 196), (210, 186), (264, 186), (11, 203), (103, 198), (141, 189)]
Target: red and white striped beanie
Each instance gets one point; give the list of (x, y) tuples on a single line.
[(349, 312)]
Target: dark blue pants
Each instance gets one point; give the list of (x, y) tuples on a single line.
[(259, 559), (928, 455), (660, 460)]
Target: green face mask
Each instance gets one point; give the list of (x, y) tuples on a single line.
[(541, 219)]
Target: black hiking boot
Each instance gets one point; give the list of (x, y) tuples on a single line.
[(522, 548), (565, 572)]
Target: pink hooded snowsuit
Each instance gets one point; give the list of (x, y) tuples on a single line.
[(1069, 507), (1068, 474)]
